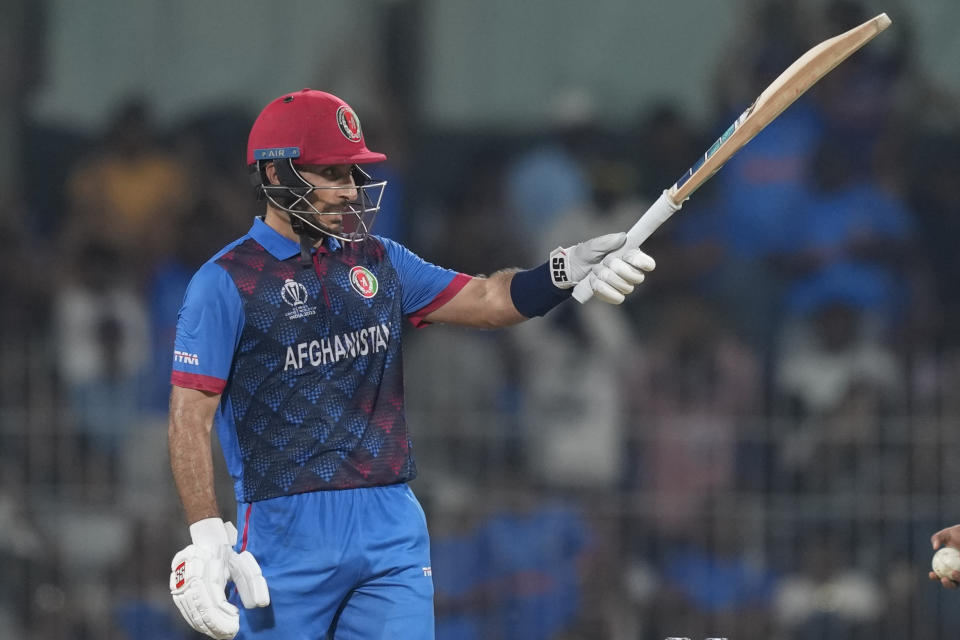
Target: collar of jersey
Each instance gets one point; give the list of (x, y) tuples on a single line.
[(281, 247)]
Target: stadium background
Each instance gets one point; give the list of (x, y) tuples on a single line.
[(757, 445)]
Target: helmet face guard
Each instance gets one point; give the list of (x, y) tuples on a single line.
[(311, 127), (350, 223)]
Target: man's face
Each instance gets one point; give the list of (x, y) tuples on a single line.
[(335, 205), (337, 190)]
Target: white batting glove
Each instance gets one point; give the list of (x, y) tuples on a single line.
[(615, 275), (199, 575)]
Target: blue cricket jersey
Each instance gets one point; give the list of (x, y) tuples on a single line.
[(307, 358)]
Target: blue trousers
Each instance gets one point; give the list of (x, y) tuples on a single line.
[(351, 564)]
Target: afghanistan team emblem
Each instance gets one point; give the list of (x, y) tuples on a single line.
[(349, 124), (363, 281)]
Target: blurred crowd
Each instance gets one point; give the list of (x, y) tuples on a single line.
[(756, 445)]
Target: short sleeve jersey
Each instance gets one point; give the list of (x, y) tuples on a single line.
[(307, 358)]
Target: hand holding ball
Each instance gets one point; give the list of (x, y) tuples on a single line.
[(945, 561)]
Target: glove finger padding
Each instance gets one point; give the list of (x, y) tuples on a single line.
[(604, 291), (624, 270), (245, 573), (627, 272), (637, 258), (197, 581), (617, 276), (248, 578), (612, 278)]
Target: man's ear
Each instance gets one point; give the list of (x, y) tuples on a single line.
[(271, 172)]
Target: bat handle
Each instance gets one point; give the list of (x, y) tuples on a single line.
[(650, 221)]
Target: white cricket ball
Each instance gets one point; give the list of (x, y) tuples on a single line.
[(946, 561)]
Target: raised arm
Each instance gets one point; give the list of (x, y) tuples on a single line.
[(484, 302), (511, 296)]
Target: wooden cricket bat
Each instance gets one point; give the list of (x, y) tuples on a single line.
[(782, 92)]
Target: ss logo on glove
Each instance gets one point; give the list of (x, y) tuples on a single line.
[(558, 264)]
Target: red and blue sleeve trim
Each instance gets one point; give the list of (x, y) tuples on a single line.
[(198, 382), (459, 282)]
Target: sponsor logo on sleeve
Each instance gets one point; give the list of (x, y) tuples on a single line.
[(185, 357)]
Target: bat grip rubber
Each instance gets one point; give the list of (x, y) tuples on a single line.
[(650, 221)]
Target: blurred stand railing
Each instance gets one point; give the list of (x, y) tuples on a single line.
[(808, 533)]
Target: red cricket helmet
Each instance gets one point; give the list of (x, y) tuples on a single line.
[(311, 127)]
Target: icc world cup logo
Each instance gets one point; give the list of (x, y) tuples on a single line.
[(293, 293)]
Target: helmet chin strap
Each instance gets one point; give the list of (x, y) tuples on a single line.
[(291, 178), (308, 238)]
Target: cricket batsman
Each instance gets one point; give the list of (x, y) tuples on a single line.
[(289, 342)]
